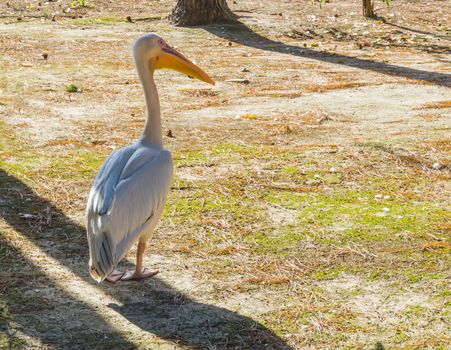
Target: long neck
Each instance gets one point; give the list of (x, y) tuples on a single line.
[(152, 133)]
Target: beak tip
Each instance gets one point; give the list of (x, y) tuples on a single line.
[(208, 80)]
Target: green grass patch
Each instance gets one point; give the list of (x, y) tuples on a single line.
[(15, 158), (199, 205), (7, 139), (72, 88), (332, 273), (291, 170), (278, 243), (23, 161), (76, 164), (97, 20), (415, 310), (189, 158), (358, 216), (81, 3)]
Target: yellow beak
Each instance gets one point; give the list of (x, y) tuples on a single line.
[(172, 59)]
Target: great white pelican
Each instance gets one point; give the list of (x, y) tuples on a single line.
[(130, 190)]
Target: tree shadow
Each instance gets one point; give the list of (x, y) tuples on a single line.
[(25, 310), (160, 309), (241, 34), (429, 48), (31, 303), (440, 36)]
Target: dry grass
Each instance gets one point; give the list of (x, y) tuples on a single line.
[(436, 105), (440, 145), (300, 228), (300, 90), (334, 86)]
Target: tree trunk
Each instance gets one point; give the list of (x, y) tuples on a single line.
[(199, 12), (368, 8)]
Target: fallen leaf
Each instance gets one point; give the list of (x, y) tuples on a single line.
[(248, 116)]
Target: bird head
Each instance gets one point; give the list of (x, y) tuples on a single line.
[(158, 54)]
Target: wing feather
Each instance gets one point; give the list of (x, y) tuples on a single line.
[(130, 189), (102, 190), (140, 196)]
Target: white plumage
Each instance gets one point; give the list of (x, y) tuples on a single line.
[(126, 202), (128, 195)]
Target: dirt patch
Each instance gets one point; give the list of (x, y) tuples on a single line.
[(282, 216)]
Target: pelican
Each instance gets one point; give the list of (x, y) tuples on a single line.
[(129, 192)]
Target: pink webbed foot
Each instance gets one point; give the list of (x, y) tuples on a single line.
[(135, 275), (115, 276)]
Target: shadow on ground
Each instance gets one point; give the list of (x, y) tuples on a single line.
[(160, 309), (241, 34), (413, 30), (173, 316)]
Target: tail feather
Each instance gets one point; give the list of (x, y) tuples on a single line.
[(104, 253), (105, 259), (102, 259)]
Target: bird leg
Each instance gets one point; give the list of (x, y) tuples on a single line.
[(139, 273)]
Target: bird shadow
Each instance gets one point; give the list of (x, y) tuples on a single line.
[(156, 307), (174, 316), (241, 34)]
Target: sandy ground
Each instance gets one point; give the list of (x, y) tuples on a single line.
[(315, 112)]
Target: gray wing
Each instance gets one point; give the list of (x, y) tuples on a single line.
[(121, 206), (102, 190)]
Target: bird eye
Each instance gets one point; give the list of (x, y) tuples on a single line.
[(160, 41)]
